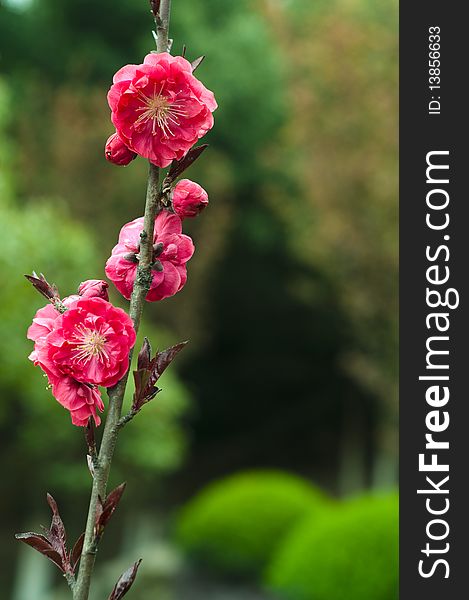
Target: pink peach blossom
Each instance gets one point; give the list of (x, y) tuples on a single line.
[(159, 108), (172, 250), (80, 399), (117, 152), (86, 346), (189, 198), (89, 342)]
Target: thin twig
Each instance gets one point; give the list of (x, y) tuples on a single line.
[(70, 580), (116, 394), (127, 418), (162, 26)]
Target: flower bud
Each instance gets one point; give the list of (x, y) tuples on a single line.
[(189, 199), (94, 288), (117, 152)]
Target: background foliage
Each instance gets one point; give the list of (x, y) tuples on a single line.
[(236, 524), (351, 552), (291, 303)]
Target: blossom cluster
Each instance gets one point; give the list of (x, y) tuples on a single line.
[(160, 110), (82, 342), (85, 346)]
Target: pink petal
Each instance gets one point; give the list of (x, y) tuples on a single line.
[(126, 73), (172, 279), (167, 223)]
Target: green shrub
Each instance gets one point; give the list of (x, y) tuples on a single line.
[(351, 553), (235, 524)]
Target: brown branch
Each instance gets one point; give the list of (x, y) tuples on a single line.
[(116, 394), (162, 26)]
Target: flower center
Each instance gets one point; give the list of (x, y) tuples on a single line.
[(161, 111), (90, 344)]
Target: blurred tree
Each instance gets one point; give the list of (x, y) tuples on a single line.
[(308, 278), (341, 142), (291, 297), (34, 31)]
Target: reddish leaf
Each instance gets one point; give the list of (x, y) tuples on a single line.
[(42, 545), (144, 356), (57, 535), (53, 543), (99, 511), (43, 286), (149, 394), (112, 502), (90, 437), (138, 376), (141, 380), (76, 552), (179, 166), (145, 381), (155, 7), (195, 64), (125, 582), (163, 359), (106, 509)]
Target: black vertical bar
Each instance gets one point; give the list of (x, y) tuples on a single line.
[(422, 130)]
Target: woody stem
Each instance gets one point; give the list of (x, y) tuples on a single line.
[(116, 394)]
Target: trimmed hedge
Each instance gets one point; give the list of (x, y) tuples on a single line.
[(351, 553), (234, 525)]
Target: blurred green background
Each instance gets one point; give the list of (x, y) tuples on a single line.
[(290, 307)]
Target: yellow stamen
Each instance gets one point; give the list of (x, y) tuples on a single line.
[(160, 111), (90, 344)]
